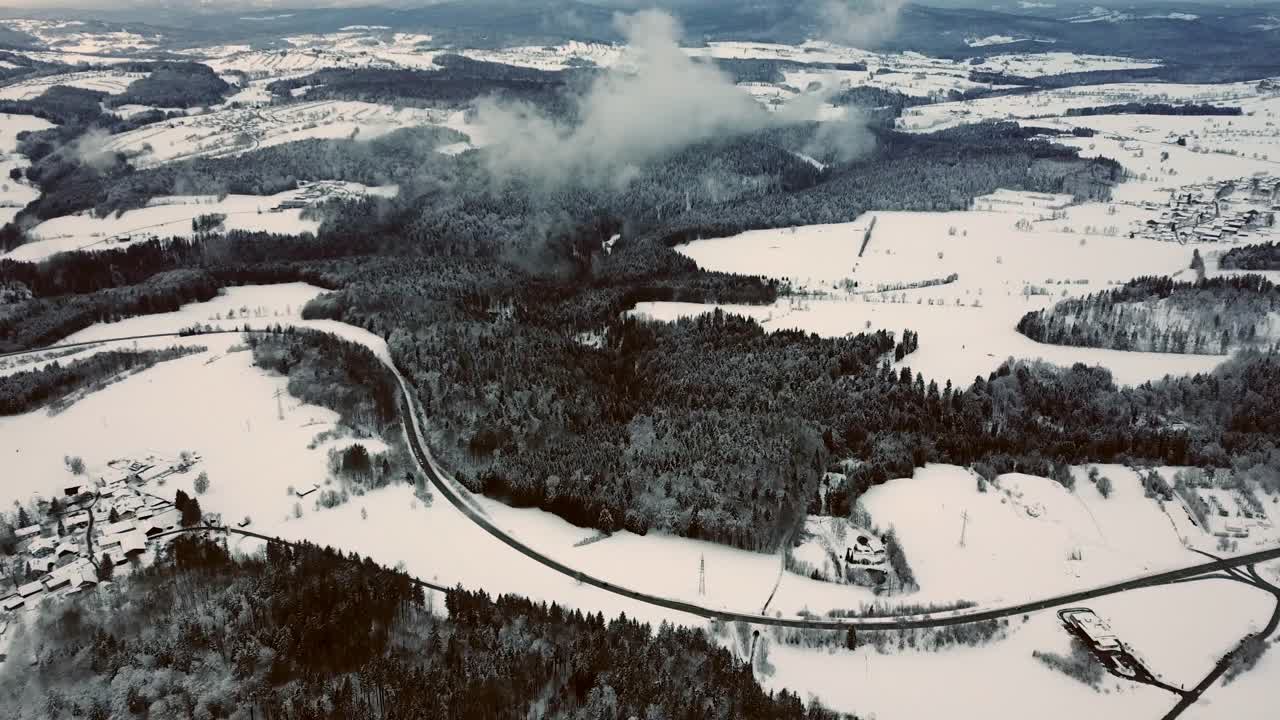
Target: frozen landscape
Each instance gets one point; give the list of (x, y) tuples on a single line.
[(717, 319)]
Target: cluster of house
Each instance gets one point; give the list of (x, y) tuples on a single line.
[(312, 193), (111, 521), (1230, 516), (1223, 211)]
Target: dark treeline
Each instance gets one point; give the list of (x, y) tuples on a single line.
[(912, 173), (1265, 256), (307, 633), (346, 377), (68, 167), (22, 67), (27, 390), (41, 321), (1158, 314), (458, 80), (326, 370), (1200, 72), (1137, 108), (391, 159), (870, 96), (768, 70), (171, 84)]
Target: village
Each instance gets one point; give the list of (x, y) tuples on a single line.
[(311, 194), (102, 526), (1222, 211)]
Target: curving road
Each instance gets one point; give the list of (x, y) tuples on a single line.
[(427, 464)]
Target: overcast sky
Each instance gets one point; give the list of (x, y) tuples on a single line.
[(267, 5)]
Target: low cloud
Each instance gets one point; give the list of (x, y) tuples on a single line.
[(860, 23), (657, 101), (842, 140), (626, 119), (91, 149)]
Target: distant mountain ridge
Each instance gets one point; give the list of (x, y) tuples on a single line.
[(1176, 32)]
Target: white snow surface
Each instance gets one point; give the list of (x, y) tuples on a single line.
[(1057, 63), (232, 131), (15, 194), (966, 327), (171, 217), (111, 82)]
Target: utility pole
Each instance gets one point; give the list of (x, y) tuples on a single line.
[(964, 524), (280, 404), (702, 574)]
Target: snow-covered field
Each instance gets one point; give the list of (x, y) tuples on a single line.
[(1022, 536), (967, 327), (67, 36), (233, 131), (1179, 631), (111, 82), (554, 57), (909, 72), (357, 48), (172, 216), (12, 125), (1057, 63), (15, 194), (1053, 103)]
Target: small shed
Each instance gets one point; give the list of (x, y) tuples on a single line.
[(12, 602), (27, 532)]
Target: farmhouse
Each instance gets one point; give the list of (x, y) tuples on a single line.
[(40, 547), (75, 520), (30, 589), (123, 526), (866, 549), (53, 581), (133, 543), (1094, 629)]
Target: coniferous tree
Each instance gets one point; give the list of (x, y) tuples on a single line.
[(106, 568)]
